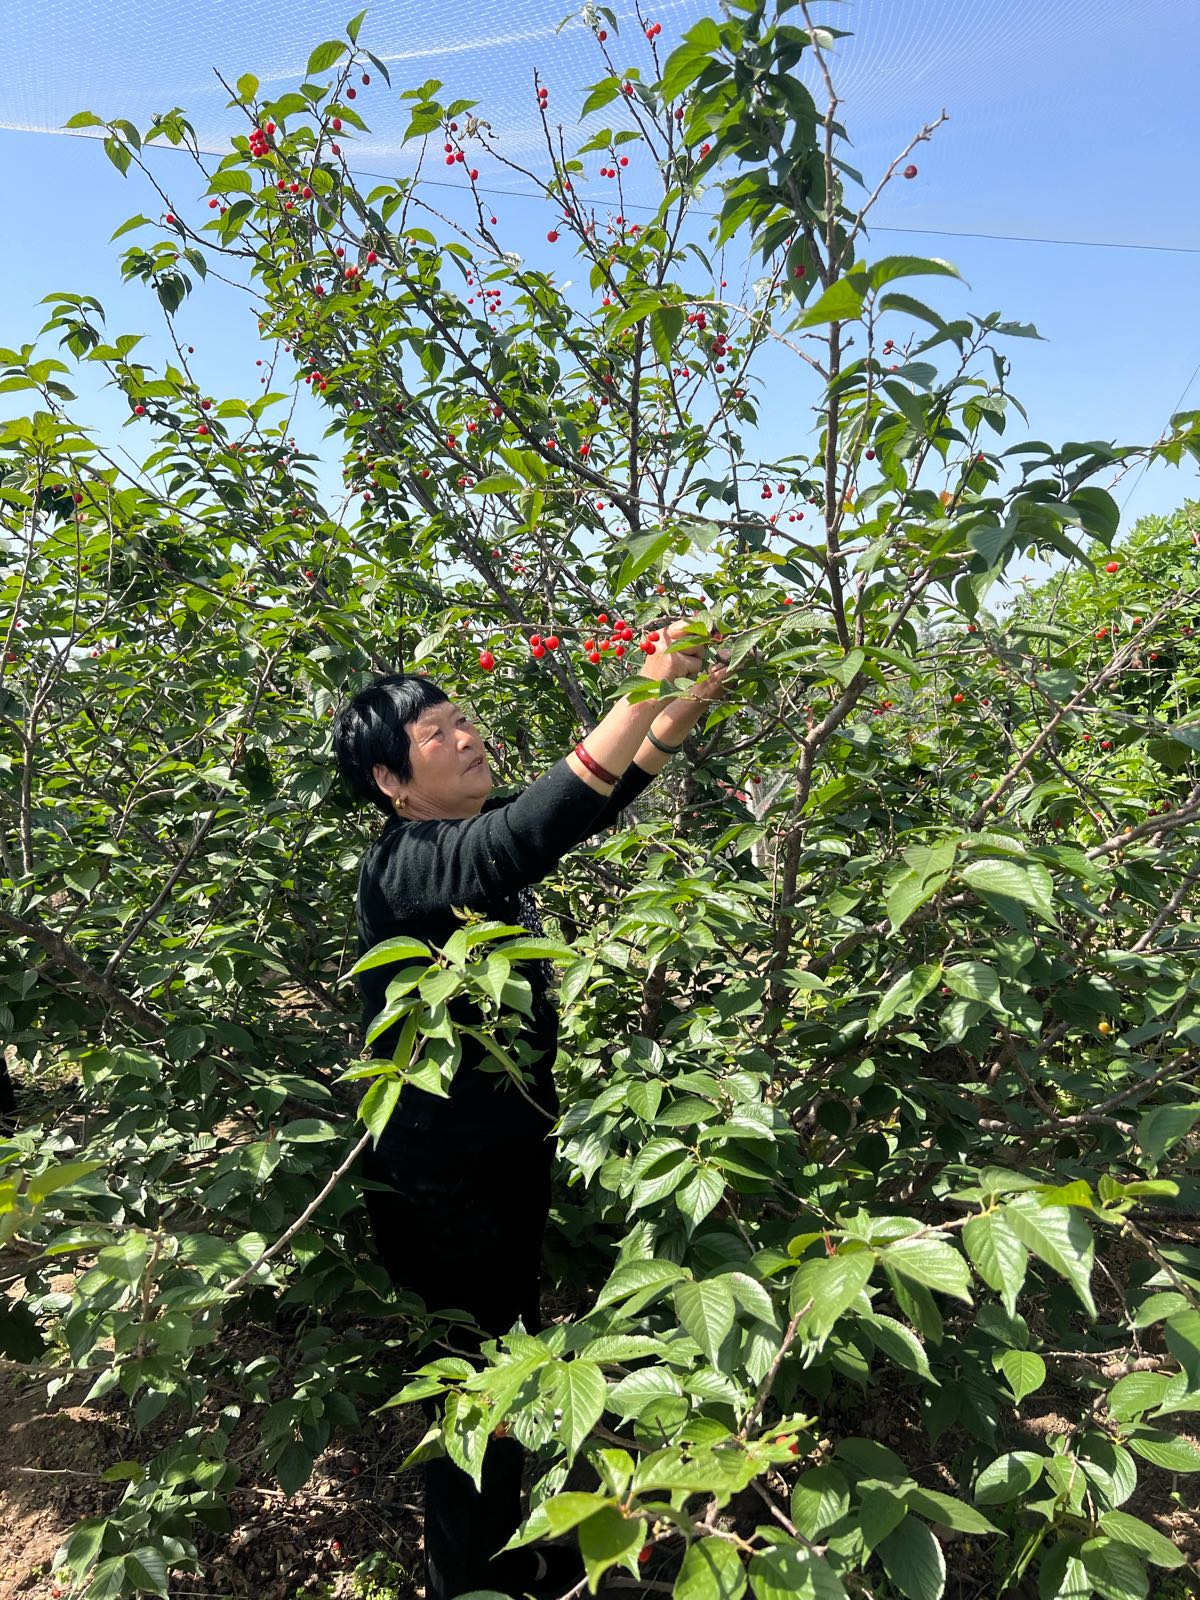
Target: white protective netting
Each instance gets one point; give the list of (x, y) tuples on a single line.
[(1013, 74)]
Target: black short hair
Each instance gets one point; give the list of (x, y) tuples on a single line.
[(372, 730)]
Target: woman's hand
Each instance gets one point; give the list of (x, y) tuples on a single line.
[(714, 686), (666, 664)]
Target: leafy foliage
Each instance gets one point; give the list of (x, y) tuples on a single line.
[(880, 1073)]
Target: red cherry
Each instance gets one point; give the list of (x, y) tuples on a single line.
[(337, 124), (1113, 566), (170, 220), (552, 236), (351, 94), (602, 36), (910, 171), (487, 660), (539, 650), (139, 411), (870, 455), (552, 642), (958, 699), (644, 1554), (202, 429)]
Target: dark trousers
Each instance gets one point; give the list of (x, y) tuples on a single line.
[(461, 1224)]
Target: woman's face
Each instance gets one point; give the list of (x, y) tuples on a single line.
[(450, 772)]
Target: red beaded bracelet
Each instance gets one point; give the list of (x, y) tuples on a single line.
[(593, 766)]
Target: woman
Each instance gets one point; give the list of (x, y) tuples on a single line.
[(465, 1180)]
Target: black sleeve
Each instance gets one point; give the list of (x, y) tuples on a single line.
[(466, 861), (627, 788)]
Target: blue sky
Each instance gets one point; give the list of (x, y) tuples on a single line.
[(1070, 122)]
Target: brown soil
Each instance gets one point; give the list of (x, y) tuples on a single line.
[(356, 1505)]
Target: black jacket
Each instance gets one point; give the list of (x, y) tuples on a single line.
[(411, 877)]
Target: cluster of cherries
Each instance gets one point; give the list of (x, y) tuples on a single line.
[(259, 141), (622, 634)]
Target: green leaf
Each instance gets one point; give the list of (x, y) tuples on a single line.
[(917, 1304), (1133, 1531), (1098, 512), (389, 950), (466, 1426), (378, 1104), (890, 268), (997, 1255), (706, 1310), (567, 1511), (832, 1284), (147, 1566), (946, 1511), (324, 56), (783, 1574), (700, 1194), (711, 1570), (607, 1537), (1059, 1236), (1009, 1477), (1156, 1307), (1166, 1450), (1024, 1369), (1163, 1126), (681, 69), (975, 980), (899, 1343), (644, 551), (1182, 1334), (247, 86), (913, 1560), (1116, 1571), (907, 306), (908, 893), (841, 302), (881, 1511), (665, 326), (1028, 882), (581, 1395), (602, 94), (933, 1262), (294, 1467), (906, 994), (58, 1177), (633, 1277), (820, 1498)]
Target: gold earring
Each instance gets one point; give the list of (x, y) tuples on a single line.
[(397, 802)]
